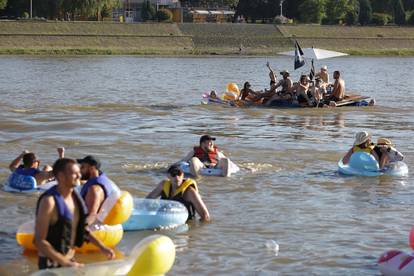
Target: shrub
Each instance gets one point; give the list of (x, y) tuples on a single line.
[(351, 18), (26, 15), (380, 19), (164, 15), (148, 11), (411, 19)]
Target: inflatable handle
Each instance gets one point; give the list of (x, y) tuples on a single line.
[(156, 256)]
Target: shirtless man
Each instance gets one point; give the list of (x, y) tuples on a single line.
[(323, 74), (272, 75), (338, 92), (31, 165), (286, 87), (61, 219), (301, 90)]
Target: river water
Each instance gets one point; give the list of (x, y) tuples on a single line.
[(138, 115)]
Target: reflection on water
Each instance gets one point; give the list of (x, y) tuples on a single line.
[(139, 115)]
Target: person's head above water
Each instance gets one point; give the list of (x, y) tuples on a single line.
[(30, 160), (362, 138), (90, 165), (175, 174), (207, 142), (246, 85), (67, 172)]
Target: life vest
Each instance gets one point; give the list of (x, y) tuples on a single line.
[(368, 149), (23, 171), (179, 194), (207, 158), (59, 235), (103, 181)]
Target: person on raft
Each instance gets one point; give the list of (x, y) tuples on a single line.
[(301, 90), (207, 155), (177, 188), (338, 90), (60, 224), (31, 164), (362, 144), (285, 92), (387, 152), (272, 75), (323, 75), (247, 94), (97, 187)]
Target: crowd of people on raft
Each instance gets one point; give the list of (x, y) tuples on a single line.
[(319, 92), (64, 213)]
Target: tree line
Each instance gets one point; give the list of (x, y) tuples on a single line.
[(350, 12)]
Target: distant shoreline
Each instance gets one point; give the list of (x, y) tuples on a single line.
[(188, 39)]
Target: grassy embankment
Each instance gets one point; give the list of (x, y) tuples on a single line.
[(197, 39)]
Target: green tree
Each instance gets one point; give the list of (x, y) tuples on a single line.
[(365, 12), (3, 4), (335, 10), (312, 11), (398, 12), (148, 11), (351, 18), (257, 9)]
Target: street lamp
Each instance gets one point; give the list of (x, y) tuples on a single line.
[(281, 4)]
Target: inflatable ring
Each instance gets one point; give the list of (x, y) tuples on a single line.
[(396, 263), (110, 235), (185, 167), (365, 164), (116, 209), (156, 213), (154, 255)]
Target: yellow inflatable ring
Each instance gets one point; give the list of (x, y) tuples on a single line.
[(110, 235), (117, 208)]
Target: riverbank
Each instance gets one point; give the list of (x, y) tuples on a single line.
[(108, 38)]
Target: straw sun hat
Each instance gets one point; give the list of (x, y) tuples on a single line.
[(384, 141), (361, 137)]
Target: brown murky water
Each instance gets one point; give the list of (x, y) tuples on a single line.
[(141, 114)]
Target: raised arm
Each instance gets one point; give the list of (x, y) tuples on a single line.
[(195, 198), (45, 213), (347, 156), (61, 152), (156, 193), (16, 162)]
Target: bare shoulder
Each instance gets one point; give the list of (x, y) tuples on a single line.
[(47, 203)]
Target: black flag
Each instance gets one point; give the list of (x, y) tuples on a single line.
[(299, 60), (312, 71)]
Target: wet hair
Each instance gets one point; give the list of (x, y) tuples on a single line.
[(29, 159), (337, 73), (174, 170), (61, 164), (246, 84)]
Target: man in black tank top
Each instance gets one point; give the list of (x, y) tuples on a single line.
[(61, 219)]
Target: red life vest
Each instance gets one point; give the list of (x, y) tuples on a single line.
[(208, 158)]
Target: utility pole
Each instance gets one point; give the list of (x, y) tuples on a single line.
[(31, 9), (281, 7)]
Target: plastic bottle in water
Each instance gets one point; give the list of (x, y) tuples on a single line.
[(271, 245)]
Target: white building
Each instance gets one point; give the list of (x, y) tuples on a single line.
[(131, 9)]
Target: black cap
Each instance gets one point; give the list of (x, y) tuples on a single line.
[(91, 161), (206, 138)]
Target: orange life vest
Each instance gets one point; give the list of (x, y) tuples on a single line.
[(208, 158)]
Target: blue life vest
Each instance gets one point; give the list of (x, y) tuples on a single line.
[(103, 181), (23, 171), (60, 234)]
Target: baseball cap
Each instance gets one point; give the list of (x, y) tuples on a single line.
[(91, 160), (206, 138)]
